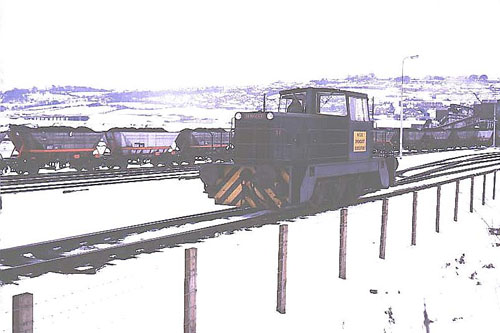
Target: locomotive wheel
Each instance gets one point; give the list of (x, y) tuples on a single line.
[(318, 194), (328, 193), (392, 164), (336, 189), (318, 198), (353, 189)]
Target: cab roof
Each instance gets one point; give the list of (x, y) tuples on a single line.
[(323, 89)]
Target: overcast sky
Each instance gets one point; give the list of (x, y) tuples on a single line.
[(159, 44)]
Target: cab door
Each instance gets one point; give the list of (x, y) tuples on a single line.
[(360, 129)]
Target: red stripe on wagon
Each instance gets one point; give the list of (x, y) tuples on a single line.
[(209, 146), (58, 150), (145, 148)]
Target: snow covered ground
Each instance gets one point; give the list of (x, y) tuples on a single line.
[(32, 217), (451, 275)]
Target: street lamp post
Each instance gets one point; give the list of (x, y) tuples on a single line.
[(402, 107), (494, 115), (495, 123)]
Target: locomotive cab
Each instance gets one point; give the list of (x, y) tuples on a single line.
[(317, 147), (311, 124), (341, 127)]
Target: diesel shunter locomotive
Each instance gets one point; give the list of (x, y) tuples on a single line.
[(316, 149)]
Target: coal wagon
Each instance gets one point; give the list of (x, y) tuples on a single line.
[(385, 140), (204, 144), (55, 147), (435, 139), (139, 146)]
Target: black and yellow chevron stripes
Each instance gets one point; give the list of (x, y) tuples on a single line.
[(237, 187)]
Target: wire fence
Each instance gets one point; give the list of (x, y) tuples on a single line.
[(54, 307)]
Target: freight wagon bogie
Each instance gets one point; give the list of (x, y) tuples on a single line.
[(318, 152)]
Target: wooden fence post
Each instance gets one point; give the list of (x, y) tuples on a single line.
[(383, 228), (494, 184), (282, 256), (457, 192), (22, 313), (343, 244), (190, 290), (438, 207), (414, 219), (484, 190), (471, 206)]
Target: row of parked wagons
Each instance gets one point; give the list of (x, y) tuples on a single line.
[(387, 139), (84, 149)]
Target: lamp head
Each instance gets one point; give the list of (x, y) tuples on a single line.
[(414, 56)]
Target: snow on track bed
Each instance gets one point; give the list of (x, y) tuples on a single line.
[(51, 249), (38, 216), (419, 159), (448, 166), (64, 180), (448, 272)]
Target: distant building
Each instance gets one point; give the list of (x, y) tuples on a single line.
[(430, 105)]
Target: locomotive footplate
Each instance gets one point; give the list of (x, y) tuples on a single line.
[(260, 186)]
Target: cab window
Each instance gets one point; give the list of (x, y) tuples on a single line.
[(292, 103), (333, 104), (358, 108)]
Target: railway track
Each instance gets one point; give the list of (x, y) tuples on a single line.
[(60, 180), (448, 167), (400, 191), (437, 151), (21, 183), (89, 252), (15, 261)]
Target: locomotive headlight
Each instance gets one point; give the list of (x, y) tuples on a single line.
[(238, 116), (270, 115)]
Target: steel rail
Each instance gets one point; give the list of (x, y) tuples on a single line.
[(398, 192), (58, 176), (57, 247), (443, 162), (7, 189), (97, 258), (438, 172)]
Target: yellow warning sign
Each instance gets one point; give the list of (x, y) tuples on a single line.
[(359, 141)]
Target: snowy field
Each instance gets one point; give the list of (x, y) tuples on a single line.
[(451, 275)]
